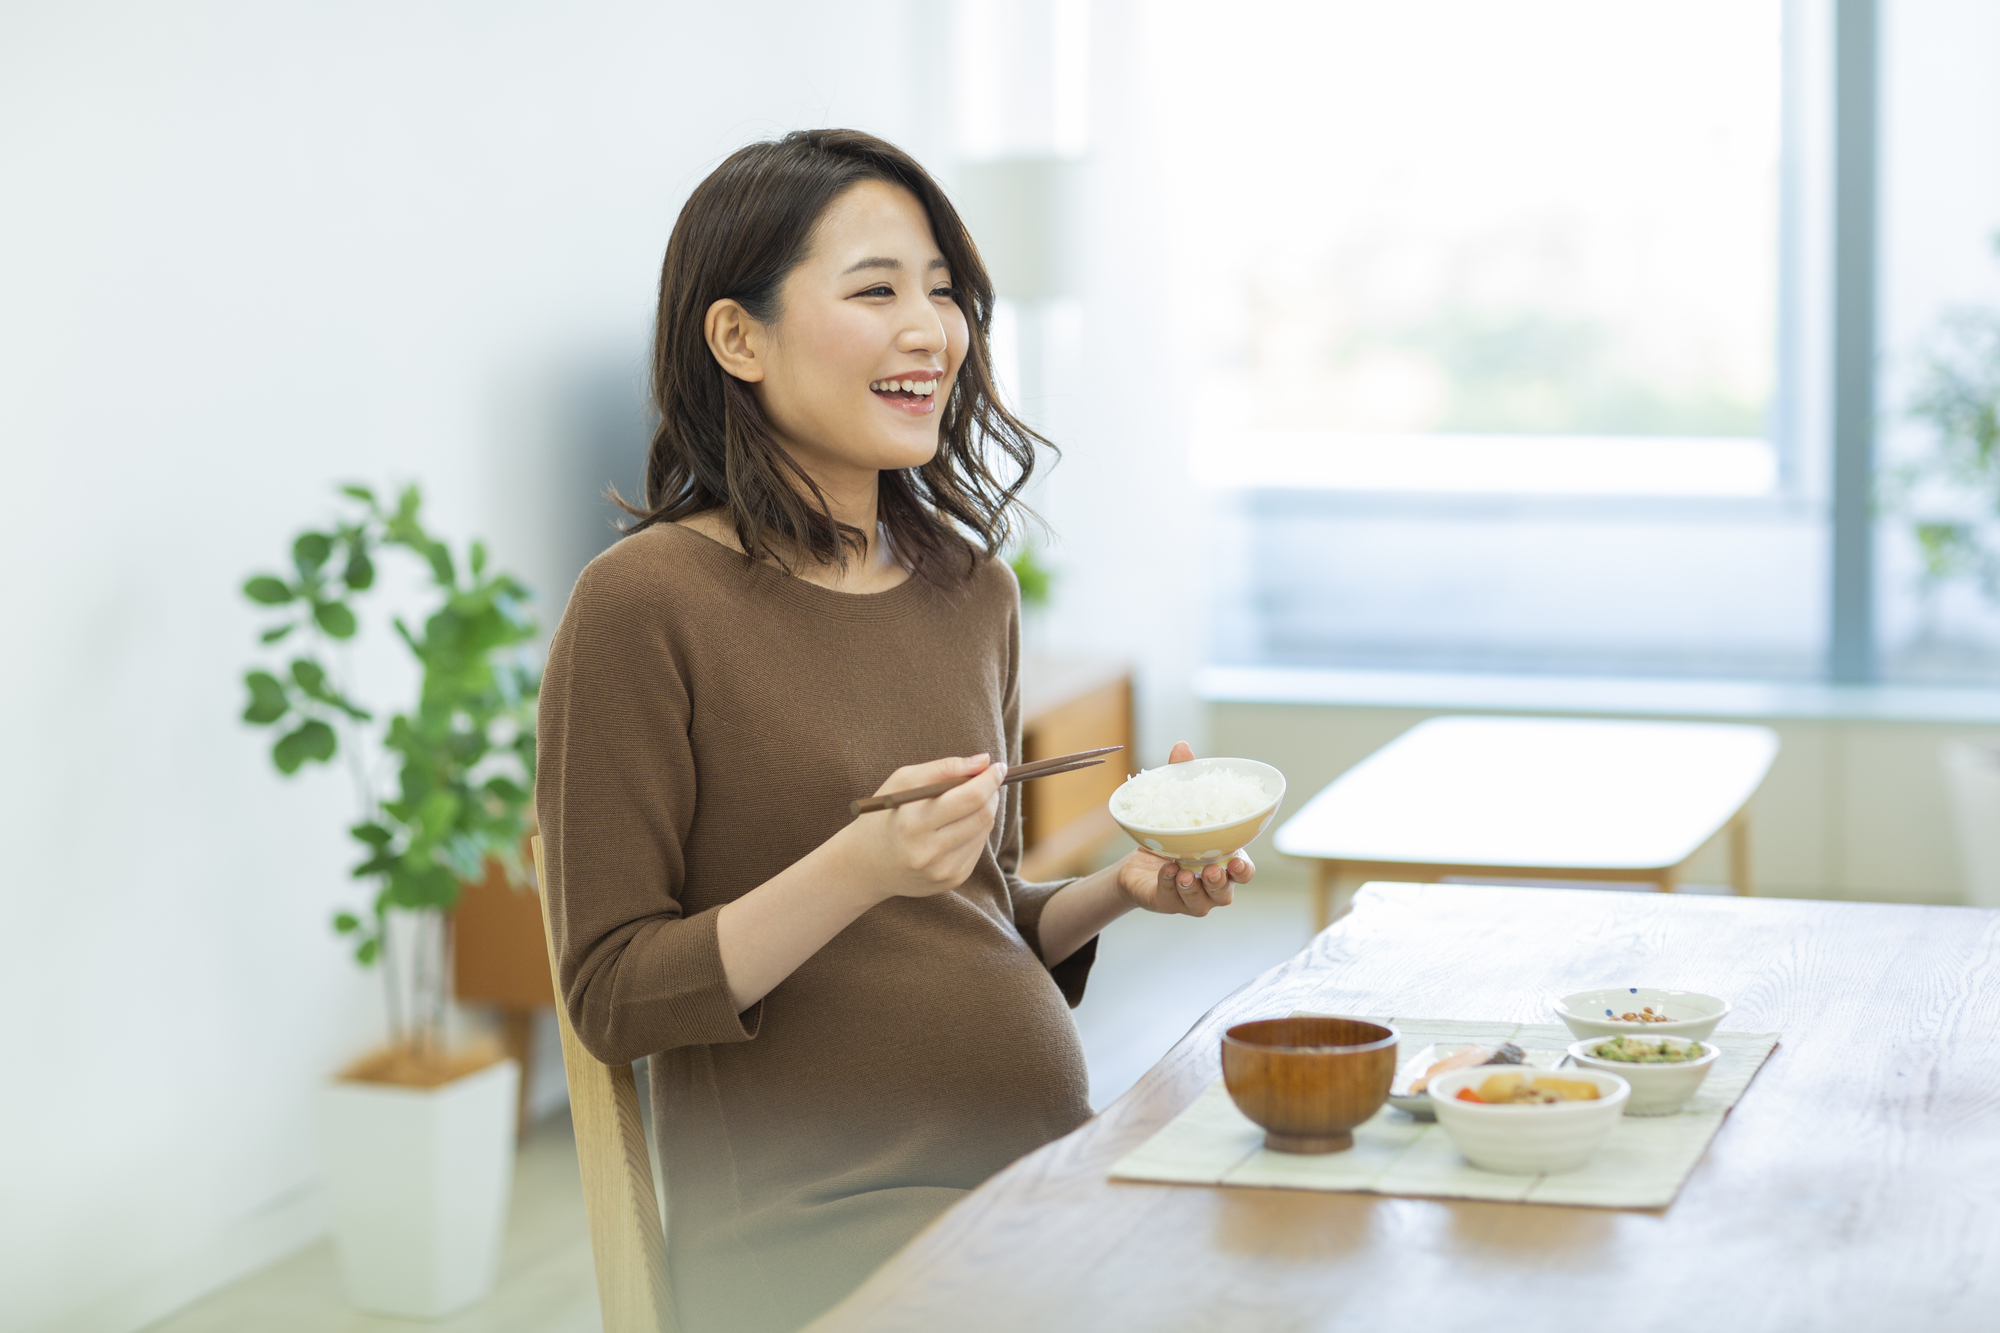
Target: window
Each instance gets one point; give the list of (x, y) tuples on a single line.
[(1483, 308)]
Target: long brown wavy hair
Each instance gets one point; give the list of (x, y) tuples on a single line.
[(742, 231)]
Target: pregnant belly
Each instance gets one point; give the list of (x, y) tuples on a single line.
[(880, 1067)]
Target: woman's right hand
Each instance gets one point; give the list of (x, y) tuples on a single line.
[(929, 846), (913, 851)]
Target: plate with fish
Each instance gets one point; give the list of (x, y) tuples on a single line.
[(1409, 1091)]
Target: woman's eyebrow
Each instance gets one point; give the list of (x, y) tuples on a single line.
[(894, 265)]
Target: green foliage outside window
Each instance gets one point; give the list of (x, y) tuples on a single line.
[(1951, 494)]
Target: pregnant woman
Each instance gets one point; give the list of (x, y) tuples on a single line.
[(853, 1021)]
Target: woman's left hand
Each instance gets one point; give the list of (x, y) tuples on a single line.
[(1161, 884)]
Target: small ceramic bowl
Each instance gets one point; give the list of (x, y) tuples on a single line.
[(1594, 1013), (1528, 1140), (1307, 1082), (1207, 846), (1657, 1089)]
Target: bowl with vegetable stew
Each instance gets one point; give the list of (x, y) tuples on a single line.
[(1526, 1121), (1663, 1071), (1644, 1010)]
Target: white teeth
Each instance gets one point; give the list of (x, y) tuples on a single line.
[(922, 388)]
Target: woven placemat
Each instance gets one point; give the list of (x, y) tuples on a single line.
[(1643, 1164)]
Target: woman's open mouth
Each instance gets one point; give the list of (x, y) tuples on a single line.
[(913, 395)]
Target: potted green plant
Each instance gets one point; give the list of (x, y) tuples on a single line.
[(417, 1138), (1950, 495)]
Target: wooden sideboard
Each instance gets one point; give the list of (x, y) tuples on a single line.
[(1070, 704), (499, 958)]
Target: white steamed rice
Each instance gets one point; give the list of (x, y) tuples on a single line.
[(1160, 799)]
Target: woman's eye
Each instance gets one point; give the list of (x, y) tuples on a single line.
[(948, 293), (883, 290)]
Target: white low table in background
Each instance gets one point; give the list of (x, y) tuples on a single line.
[(1534, 798)]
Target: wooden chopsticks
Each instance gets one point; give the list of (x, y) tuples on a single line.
[(1040, 768)]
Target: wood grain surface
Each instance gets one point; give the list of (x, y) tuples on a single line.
[(1856, 1186)]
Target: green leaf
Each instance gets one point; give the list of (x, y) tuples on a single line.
[(372, 834), (268, 590), (310, 551), (361, 493), (478, 558), (360, 572), (311, 677), (418, 886), (1035, 578), (335, 619), (506, 790), (346, 922), (370, 947), (314, 740), (437, 813), (441, 567), (273, 635), (268, 700)]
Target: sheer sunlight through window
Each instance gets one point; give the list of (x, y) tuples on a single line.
[(1490, 318), (1462, 246)]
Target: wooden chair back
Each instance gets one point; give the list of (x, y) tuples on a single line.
[(627, 1244)]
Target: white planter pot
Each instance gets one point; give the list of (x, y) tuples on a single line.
[(1972, 774), (418, 1179)]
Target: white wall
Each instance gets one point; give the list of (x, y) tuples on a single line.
[(247, 251), (1130, 540)]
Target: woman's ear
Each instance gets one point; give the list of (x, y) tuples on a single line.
[(735, 340)]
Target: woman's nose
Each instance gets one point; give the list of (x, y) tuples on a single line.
[(924, 333)]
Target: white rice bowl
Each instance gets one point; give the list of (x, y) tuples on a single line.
[(1158, 798)]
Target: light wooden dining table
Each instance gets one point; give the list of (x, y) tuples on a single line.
[(1855, 1186), (1564, 798)]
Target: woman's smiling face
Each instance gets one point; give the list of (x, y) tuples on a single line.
[(854, 374)]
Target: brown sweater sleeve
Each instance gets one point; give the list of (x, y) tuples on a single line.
[(1073, 972), (615, 795)]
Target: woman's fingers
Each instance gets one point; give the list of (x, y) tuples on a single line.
[(1181, 753), (1194, 897), (963, 816), (937, 770), (967, 799), (978, 782)]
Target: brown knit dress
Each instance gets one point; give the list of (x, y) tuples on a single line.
[(704, 724)]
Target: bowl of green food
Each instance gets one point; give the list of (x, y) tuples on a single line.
[(1664, 1071)]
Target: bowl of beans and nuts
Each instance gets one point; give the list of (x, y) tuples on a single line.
[(1643, 1010)]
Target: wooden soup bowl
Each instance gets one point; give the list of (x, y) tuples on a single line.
[(1309, 1081)]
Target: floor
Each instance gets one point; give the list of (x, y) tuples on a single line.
[(546, 1285), (1154, 977)]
